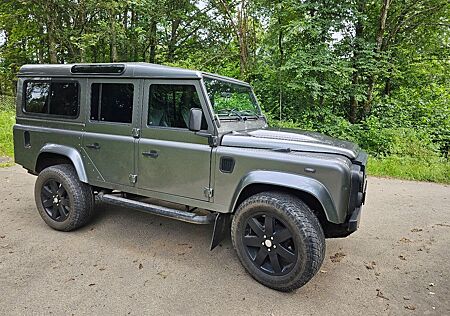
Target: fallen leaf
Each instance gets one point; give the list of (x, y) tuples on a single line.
[(91, 284), (444, 225), (337, 257), (410, 307), (402, 257), (163, 274), (405, 240), (381, 295), (406, 298), (371, 265), (323, 271), (431, 284), (416, 230), (140, 266), (3, 236)]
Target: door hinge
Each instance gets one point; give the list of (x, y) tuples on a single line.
[(209, 193), (133, 178), (136, 132)]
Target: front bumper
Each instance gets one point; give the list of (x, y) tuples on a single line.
[(348, 227), (353, 222), (356, 201)]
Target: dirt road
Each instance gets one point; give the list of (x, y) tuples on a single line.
[(127, 262)]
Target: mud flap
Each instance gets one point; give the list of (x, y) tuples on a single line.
[(222, 227)]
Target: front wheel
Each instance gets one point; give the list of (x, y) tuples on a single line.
[(63, 201), (278, 239)]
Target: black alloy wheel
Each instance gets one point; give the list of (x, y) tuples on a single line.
[(269, 244), (55, 200)]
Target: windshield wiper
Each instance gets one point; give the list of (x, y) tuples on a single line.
[(229, 112)]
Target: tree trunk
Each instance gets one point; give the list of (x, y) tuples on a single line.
[(359, 32), (173, 39), (281, 50), (379, 45), (152, 42), (53, 58), (112, 20), (242, 38)]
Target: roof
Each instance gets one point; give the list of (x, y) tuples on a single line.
[(122, 70)]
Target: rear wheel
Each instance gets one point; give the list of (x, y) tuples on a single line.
[(278, 240), (63, 201)]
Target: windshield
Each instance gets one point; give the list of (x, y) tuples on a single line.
[(231, 99)]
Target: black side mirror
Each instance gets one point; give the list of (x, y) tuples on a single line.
[(195, 119)]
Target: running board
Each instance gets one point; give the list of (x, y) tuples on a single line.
[(157, 209)]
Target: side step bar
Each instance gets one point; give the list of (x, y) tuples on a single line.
[(157, 209)]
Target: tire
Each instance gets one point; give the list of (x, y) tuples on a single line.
[(63, 201), (272, 227)]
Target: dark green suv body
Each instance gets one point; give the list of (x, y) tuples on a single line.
[(190, 146)]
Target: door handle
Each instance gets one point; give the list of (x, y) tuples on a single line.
[(93, 146), (151, 154)]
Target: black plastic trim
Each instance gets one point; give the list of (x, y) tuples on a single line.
[(112, 69), (226, 164)]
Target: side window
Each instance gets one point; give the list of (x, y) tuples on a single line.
[(169, 105), (53, 98), (112, 102)]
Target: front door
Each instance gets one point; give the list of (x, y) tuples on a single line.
[(172, 159), (108, 142)]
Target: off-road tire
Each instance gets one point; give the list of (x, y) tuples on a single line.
[(80, 197), (307, 234)]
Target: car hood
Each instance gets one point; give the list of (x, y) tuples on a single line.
[(285, 140)]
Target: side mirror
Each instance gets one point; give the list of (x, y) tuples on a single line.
[(195, 119)]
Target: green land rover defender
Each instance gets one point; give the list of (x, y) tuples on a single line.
[(191, 146)]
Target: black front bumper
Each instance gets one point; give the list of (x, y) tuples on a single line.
[(353, 222), (343, 230), (356, 201)]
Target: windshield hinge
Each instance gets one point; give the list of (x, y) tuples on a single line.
[(136, 132), (209, 193), (213, 141), (133, 178)]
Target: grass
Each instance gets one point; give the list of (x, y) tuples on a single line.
[(7, 119), (409, 168)]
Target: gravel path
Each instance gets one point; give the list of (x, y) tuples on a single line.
[(127, 262)]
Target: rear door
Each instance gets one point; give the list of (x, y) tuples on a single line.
[(171, 159), (108, 142)]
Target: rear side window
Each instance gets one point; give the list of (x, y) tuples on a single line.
[(112, 102), (52, 98)]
